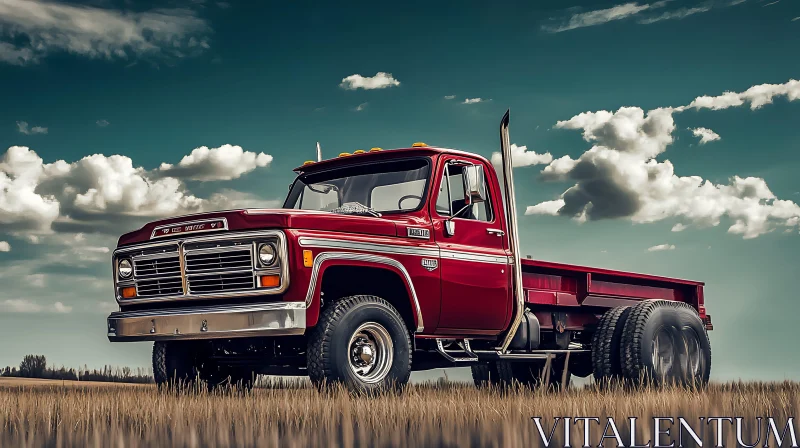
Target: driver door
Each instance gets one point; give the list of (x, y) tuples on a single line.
[(475, 274)]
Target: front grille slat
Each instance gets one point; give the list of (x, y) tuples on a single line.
[(220, 261), (203, 284)]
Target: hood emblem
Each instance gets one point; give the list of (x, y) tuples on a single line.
[(416, 232), (203, 225), (430, 264)]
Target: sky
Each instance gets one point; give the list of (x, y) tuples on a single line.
[(656, 137)]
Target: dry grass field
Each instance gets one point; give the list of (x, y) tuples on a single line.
[(445, 415)]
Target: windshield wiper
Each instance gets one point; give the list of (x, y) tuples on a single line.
[(355, 208)]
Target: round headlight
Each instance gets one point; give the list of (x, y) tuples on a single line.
[(125, 269), (266, 254)]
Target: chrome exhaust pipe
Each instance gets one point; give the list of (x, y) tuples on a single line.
[(513, 232)]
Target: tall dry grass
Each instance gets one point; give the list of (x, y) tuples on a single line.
[(293, 414)]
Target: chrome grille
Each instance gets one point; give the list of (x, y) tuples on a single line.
[(208, 283), (227, 260), (201, 267)]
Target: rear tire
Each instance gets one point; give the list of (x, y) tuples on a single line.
[(606, 342), (361, 342), (666, 342)]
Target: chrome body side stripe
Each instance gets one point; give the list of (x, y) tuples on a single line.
[(325, 256), (402, 250), (370, 247)]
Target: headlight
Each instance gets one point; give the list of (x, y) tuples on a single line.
[(266, 254), (125, 269)]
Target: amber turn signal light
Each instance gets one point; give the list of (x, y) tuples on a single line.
[(308, 258), (270, 281), (129, 292)]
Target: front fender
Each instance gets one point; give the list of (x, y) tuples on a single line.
[(326, 260)]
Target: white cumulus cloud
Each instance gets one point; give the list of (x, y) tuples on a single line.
[(30, 30), (223, 163), (4, 246), (661, 247), (520, 156), (705, 135), (381, 80), (621, 177), (756, 96), (98, 192)]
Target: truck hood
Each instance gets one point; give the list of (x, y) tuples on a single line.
[(252, 219)]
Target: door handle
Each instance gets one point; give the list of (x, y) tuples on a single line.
[(497, 232)]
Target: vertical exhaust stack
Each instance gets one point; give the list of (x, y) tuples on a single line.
[(513, 232), (319, 153)]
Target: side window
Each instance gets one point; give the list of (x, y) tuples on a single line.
[(481, 211)]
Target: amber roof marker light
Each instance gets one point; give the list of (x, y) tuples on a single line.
[(419, 145)]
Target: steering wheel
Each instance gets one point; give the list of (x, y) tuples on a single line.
[(408, 196)]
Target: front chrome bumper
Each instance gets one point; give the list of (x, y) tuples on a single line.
[(210, 322)]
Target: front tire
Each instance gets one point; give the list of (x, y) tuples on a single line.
[(174, 364), (361, 342)]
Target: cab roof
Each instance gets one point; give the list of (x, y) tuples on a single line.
[(381, 154)]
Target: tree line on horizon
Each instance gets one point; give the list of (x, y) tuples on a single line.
[(35, 366)]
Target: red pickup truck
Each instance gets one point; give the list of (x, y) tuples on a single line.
[(383, 262)]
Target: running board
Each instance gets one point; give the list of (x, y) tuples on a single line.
[(470, 355), (494, 355)]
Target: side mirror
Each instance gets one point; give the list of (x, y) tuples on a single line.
[(450, 227), (474, 185)]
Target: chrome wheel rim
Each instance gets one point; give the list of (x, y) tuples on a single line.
[(370, 352), (691, 344), (663, 353)]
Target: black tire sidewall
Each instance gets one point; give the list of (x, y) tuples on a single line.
[(676, 318), (340, 339)]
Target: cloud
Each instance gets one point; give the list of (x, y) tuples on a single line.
[(449, 97), (620, 177), (706, 135), (361, 107), (4, 246), (98, 193), (475, 100), (226, 162), (22, 127), (381, 80), (679, 227), (757, 96), (520, 157), (796, 19), (681, 13), (26, 306), (661, 247), (770, 4), (601, 16), (648, 14), (102, 123), (31, 30)]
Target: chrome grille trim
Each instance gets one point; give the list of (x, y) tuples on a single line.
[(225, 266)]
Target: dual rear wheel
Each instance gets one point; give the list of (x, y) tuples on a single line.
[(655, 341)]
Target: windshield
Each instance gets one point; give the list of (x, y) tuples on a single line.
[(385, 187)]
